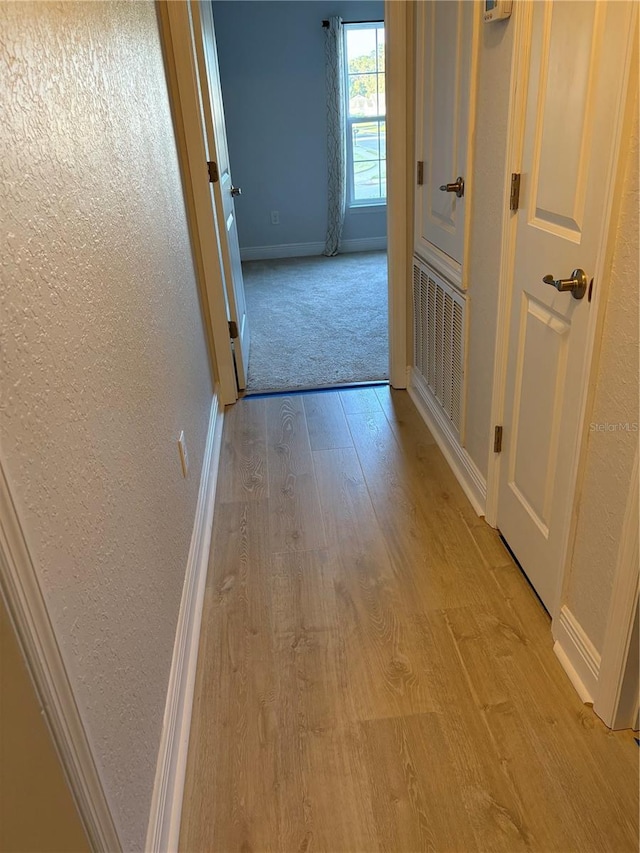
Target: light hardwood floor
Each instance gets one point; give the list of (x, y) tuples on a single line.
[(374, 672)]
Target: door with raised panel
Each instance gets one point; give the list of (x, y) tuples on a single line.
[(224, 193), (579, 57), (445, 51)]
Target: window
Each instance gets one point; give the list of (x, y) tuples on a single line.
[(365, 114)]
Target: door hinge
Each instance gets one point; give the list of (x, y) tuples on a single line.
[(214, 175), (233, 329), (420, 175), (514, 196), (497, 440)]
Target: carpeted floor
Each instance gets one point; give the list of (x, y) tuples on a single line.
[(317, 321)]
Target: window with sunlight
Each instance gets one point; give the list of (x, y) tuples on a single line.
[(365, 113)]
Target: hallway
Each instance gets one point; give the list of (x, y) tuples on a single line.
[(374, 671)]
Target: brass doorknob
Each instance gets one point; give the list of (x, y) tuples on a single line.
[(577, 284), (457, 187)]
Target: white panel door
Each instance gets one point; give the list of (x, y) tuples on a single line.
[(578, 58), (222, 189), (445, 49)]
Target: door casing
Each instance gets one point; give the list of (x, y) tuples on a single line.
[(399, 74), (182, 83), (204, 41), (183, 94)]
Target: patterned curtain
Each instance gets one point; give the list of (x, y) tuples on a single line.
[(336, 144)]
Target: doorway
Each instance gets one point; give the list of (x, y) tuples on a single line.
[(316, 321)]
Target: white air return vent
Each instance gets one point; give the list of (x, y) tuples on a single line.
[(439, 335)]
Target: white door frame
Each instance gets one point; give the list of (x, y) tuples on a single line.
[(399, 215), (173, 17), (184, 95), (522, 19)]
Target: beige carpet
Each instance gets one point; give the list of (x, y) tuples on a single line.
[(317, 321)]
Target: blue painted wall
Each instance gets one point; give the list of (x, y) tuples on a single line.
[(272, 70)]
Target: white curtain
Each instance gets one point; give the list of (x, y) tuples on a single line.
[(336, 143)]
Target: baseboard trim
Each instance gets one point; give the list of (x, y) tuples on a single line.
[(577, 654), (466, 471), (27, 609), (617, 697), (365, 244), (303, 250), (166, 804)]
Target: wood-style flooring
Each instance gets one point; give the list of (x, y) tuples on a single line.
[(375, 674)]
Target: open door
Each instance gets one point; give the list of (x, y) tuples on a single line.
[(222, 189)]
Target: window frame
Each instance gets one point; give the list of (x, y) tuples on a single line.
[(362, 205)]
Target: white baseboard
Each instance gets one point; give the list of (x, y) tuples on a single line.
[(302, 250), (166, 803), (462, 465), (284, 250), (577, 654), (364, 244), (617, 700)]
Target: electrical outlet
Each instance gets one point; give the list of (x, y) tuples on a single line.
[(275, 217), (184, 456)]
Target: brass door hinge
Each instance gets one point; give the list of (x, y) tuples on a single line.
[(233, 329), (497, 440), (420, 175), (514, 196), (214, 175)]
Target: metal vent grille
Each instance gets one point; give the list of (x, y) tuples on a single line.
[(438, 335)]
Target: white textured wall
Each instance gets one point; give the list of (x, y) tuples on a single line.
[(487, 211), (103, 361), (610, 453)]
